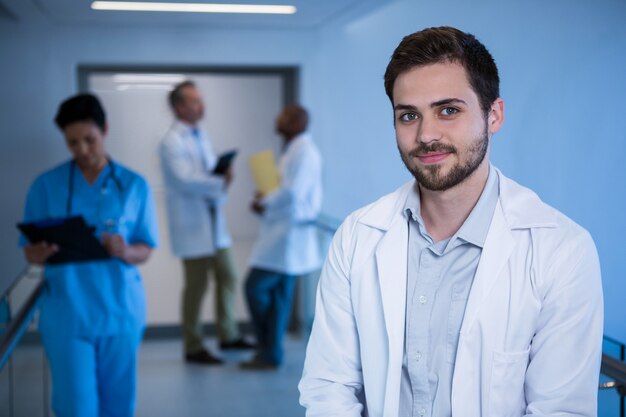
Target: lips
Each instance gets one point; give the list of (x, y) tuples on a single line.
[(433, 157)]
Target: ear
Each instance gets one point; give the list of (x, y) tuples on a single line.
[(105, 129), (496, 116)]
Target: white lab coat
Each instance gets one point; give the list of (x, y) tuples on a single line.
[(288, 241), (530, 341), (191, 192)]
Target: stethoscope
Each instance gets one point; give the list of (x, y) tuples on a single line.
[(110, 177)]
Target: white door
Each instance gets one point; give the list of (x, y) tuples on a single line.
[(240, 113)]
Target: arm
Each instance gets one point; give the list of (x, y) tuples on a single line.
[(144, 236), (562, 376), (332, 377), (185, 178), (131, 254)]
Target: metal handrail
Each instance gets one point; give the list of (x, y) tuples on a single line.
[(18, 325), (8, 290), (616, 370)]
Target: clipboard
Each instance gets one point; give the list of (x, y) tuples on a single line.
[(76, 240), (224, 162)]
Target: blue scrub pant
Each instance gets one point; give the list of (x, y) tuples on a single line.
[(93, 377), (269, 296)]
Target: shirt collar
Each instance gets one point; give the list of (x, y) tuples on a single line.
[(474, 229)]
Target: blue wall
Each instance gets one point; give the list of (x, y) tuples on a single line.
[(38, 69), (563, 82), (563, 76)]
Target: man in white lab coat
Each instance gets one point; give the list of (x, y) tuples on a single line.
[(461, 293), (287, 245), (195, 200)]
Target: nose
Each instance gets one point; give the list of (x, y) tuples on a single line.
[(81, 149), (428, 130)]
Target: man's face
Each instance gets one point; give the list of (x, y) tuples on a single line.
[(282, 124), (441, 131), (191, 109), (85, 141)]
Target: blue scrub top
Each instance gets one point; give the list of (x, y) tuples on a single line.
[(98, 298)]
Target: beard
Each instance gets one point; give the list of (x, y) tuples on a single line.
[(431, 177)]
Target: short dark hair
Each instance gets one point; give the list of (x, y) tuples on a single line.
[(176, 95), (79, 108), (298, 116), (447, 44)]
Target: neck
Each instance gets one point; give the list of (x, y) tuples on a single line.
[(189, 123), (91, 172), (292, 136), (444, 212)]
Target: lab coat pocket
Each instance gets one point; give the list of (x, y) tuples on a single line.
[(508, 372)]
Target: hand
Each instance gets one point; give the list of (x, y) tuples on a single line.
[(38, 253), (115, 245), (228, 176), (257, 205)]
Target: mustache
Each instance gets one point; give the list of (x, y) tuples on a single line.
[(423, 148)]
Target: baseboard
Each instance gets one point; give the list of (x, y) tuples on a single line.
[(162, 331), (174, 331)]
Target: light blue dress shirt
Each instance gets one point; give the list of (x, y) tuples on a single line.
[(438, 285)]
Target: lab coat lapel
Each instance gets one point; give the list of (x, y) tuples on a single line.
[(495, 254), (391, 265)]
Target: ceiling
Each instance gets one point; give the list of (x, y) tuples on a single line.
[(310, 14)]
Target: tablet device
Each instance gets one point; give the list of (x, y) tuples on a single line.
[(76, 240), (224, 161)]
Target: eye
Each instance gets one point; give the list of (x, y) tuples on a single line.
[(408, 117), (449, 111)]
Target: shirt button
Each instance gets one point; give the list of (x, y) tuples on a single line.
[(422, 412), (422, 299), (418, 356)]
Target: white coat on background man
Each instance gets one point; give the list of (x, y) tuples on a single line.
[(190, 191), (287, 246), (195, 199), (288, 239)]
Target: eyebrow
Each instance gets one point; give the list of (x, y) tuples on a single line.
[(404, 107), (447, 101), (438, 103)]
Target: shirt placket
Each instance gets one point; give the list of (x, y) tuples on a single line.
[(422, 305)]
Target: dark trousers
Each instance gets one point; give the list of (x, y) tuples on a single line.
[(269, 296)]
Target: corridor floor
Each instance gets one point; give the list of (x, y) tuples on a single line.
[(167, 386)]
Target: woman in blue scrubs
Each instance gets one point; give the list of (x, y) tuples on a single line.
[(93, 313)]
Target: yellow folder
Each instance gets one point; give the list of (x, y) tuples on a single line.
[(265, 172)]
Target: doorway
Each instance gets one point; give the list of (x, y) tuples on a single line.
[(241, 104)]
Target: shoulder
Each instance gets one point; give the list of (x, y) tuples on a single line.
[(128, 176), (523, 208), (54, 174), (553, 232), (379, 215), (382, 212), (304, 148), (174, 134)]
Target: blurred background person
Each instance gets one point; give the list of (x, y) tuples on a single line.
[(287, 245), (93, 313), (195, 202)]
